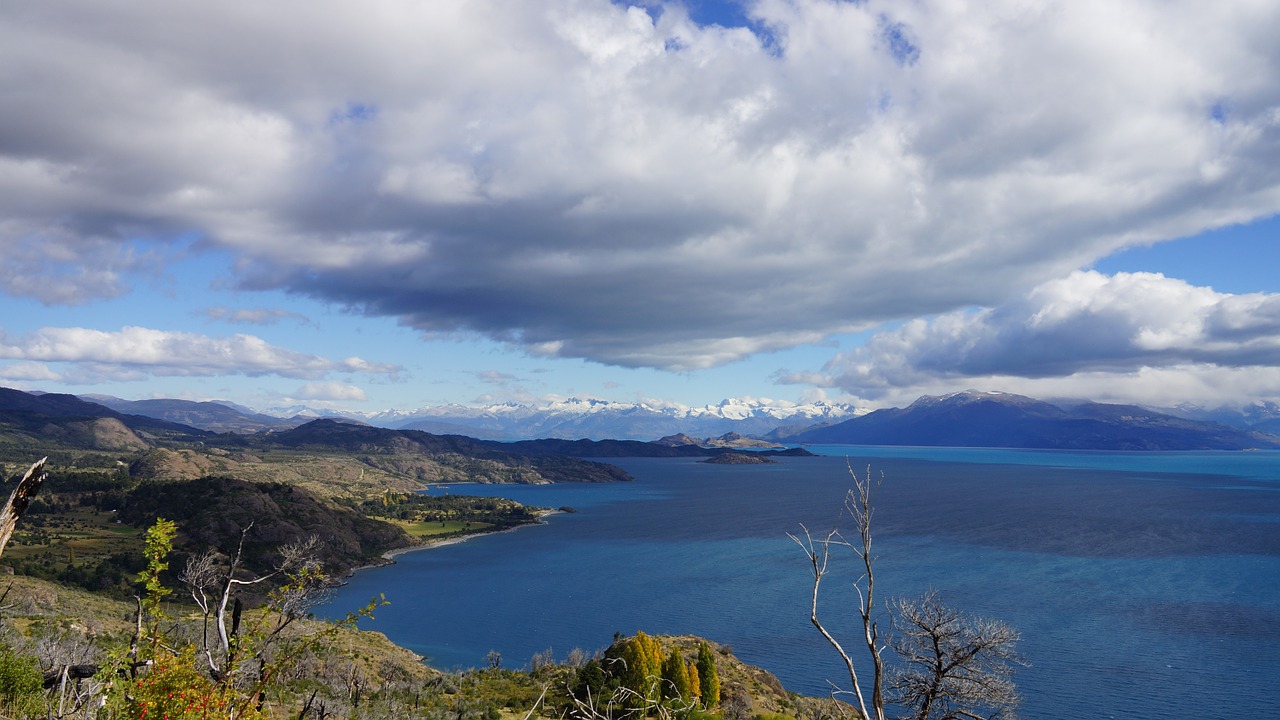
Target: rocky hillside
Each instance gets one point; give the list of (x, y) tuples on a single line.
[(211, 511)]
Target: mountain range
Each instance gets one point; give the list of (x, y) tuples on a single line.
[(991, 419), (570, 419), (970, 418)]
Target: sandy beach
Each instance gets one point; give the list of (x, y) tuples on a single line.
[(390, 555)]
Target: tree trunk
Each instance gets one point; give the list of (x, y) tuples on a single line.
[(20, 500)]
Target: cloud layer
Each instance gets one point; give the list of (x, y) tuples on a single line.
[(137, 353), (583, 179), (1137, 336)]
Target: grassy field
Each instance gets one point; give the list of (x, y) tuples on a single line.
[(439, 529), (78, 535)]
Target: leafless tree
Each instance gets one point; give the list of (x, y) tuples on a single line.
[(213, 579), (623, 703), (858, 504), (20, 499), (956, 666), (577, 658)]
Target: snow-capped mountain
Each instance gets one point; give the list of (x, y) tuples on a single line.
[(600, 419), (576, 418), (1263, 415)]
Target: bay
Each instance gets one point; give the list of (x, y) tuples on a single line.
[(1145, 585)]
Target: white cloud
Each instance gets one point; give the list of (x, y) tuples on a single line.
[(330, 391), (135, 353), (580, 180), (1139, 336), (28, 371)]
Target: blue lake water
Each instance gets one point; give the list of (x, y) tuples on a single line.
[(1145, 585)]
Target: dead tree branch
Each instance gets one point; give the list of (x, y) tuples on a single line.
[(858, 505), (20, 499)]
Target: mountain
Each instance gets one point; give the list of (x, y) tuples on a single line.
[(74, 422), (988, 419), (210, 415), (1260, 416), (438, 458), (570, 419), (602, 419)]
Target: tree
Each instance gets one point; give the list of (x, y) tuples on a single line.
[(708, 678), (858, 504), (213, 579), (955, 666), (20, 499), (675, 677), (231, 678)]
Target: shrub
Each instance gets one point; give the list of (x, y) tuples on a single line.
[(21, 684)]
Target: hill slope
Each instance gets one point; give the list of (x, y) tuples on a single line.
[(211, 416), (973, 419)]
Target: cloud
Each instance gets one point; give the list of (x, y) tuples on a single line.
[(253, 316), (1126, 335), (136, 353), (28, 371), (578, 179), (330, 392), (495, 377)]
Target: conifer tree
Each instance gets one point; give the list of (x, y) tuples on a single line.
[(708, 677), (642, 658), (695, 681), (675, 677)]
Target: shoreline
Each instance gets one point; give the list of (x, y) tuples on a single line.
[(388, 557)]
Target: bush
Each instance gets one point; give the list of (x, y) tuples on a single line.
[(175, 689), (21, 684)]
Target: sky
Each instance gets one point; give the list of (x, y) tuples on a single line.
[(394, 204)]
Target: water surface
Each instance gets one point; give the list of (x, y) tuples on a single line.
[(1145, 584)]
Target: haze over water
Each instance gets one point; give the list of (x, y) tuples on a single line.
[(1145, 585)]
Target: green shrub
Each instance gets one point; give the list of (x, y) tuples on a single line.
[(21, 684)]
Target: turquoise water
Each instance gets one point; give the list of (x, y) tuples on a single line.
[(1145, 585)]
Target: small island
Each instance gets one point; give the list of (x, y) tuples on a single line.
[(733, 458)]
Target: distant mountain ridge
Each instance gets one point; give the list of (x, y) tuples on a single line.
[(571, 419), (208, 415), (591, 419), (966, 419), (80, 421), (992, 419)]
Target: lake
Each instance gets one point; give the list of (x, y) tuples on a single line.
[(1145, 585)]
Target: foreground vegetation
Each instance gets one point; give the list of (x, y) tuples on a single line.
[(320, 670)]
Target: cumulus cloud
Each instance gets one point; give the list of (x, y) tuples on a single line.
[(28, 371), (136, 353), (583, 179), (1134, 335)]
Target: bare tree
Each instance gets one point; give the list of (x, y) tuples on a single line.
[(956, 666), (20, 499), (858, 504), (213, 580)]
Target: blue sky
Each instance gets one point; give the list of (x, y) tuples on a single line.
[(491, 201)]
